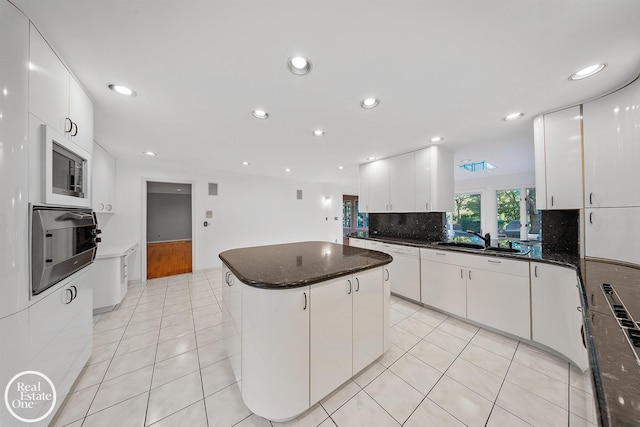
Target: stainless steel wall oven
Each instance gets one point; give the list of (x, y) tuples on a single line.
[(63, 240)]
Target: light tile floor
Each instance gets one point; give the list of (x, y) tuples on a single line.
[(159, 359)]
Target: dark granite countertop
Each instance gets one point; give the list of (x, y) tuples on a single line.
[(299, 264)]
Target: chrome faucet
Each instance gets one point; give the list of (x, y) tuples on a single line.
[(486, 238)]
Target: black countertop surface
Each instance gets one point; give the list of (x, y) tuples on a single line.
[(615, 371), (292, 265)]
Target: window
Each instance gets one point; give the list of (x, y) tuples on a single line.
[(465, 216), (346, 214), (362, 218), (534, 217), (511, 208)]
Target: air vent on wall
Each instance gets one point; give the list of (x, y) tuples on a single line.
[(213, 189), (299, 194)]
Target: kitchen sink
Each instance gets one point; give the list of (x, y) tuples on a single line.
[(507, 250), (460, 245)]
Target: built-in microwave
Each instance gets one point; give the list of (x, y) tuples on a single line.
[(66, 171)]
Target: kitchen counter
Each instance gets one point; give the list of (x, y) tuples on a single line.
[(299, 264), (115, 250), (615, 371)]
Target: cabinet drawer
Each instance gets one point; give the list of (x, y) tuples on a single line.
[(447, 257), (499, 265)]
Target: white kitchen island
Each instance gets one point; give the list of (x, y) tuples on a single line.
[(301, 320)]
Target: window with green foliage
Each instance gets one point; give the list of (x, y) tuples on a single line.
[(508, 208), (466, 216)]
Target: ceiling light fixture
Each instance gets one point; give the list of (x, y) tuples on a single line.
[(149, 153), (287, 170), (371, 158), (587, 71), (437, 139), (122, 90), (299, 65), (369, 103), (245, 163), (260, 114), (340, 168), (513, 116), (318, 132)]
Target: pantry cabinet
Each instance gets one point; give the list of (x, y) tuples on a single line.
[(104, 180), (561, 172), (612, 148), (556, 316), (55, 97)]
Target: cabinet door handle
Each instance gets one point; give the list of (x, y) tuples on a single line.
[(469, 274), (590, 198), (349, 292), (590, 217), (69, 292), (535, 271), (426, 206), (441, 253), (493, 261), (74, 292), (579, 309), (386, 270), (67, 121), (551, 200), (305, 300), (357, 284), (462, 273), (74, 126)]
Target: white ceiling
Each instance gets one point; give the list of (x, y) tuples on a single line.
[(449, 68)]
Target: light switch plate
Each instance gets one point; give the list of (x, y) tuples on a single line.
[(209, 214)]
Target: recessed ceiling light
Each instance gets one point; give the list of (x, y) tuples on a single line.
[(437, 139), (340, 168), (122, 90), (371, 158), (260, 114), (370, 103), (318, 132), (178, 189), (587, 72), (299, 65), (513, 116), (287, 170), (149, 153), (245, 163)]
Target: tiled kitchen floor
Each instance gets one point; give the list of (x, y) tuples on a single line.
[(158, 359)]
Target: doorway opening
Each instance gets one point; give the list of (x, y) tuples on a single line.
[(352, 219), (169, 229)]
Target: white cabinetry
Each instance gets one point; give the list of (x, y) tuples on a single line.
[(556, 317), (609, 231), (405, 269), (232, 321), (444, 280), (498, 294), (104, 180), (346, 329), (433, 180), (420, 181), (612, 148), (14, 164), (55, 97), (358, 243), (111, 276), (61, 331), (561, 173), (14, 336), (275, 351)]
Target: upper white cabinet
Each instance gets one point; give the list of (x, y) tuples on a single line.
[(612, 148), (560, 176), (608, 231), (104, 180), (421, 181), (433, 180), (55, 97), (556, 317)]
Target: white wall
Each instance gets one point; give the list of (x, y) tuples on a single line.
[(487, 185), (248, 211)]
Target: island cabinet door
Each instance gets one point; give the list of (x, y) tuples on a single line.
[(275, 351), (331, 336), (368, 318)]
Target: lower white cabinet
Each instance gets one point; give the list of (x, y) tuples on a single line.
[(110, 281), (275, 351), (347, 329), (607, 232), (358, 243), (498, 295), (61, 331), (444, 280), (232, 321), (405, 268), (556, 311)]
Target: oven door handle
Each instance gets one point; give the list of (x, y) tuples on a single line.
[(75, 215)]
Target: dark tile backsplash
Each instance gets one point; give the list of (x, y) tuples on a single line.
[(428, 226), (561, 231)]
